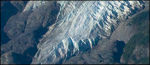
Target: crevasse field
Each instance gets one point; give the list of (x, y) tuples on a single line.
[(75, 32)]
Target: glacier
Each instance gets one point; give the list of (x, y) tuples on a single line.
[(79, 27)]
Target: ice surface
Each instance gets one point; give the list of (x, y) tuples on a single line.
[(80, 25)]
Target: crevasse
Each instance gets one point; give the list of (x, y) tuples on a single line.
[(80, 25)]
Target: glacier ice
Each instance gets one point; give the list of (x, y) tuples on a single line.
[(80, 25)]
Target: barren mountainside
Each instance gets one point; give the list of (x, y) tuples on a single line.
[(74, 32)]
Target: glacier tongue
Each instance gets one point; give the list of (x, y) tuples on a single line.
[(80, 25)]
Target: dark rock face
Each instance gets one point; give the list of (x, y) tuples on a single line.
[(16, 25), (20, 43), (19, 4), (21, 31), (7, 10), (119, 51)]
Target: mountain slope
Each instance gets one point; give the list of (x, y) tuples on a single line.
[(79, 28)]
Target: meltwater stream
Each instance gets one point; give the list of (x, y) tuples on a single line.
[(79, 27)]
